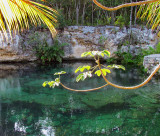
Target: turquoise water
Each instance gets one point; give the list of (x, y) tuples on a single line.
[(28, 109)]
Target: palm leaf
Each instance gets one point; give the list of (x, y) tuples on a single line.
[(17, 15), (152, 13)]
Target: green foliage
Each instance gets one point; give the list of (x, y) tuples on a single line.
[(43, 51), (16, 15), (104, 71), (90, 70), (68, 13), (128, 58), (96, 53), (116, 66), (60, 73), (33, 39), (158, 48), (82, 68), (61, 20), (120, 21), (102, 39), (151, 13), (126, 43), (47, 53), (108, 20), (83, 76), (52, 83), (149, 51)]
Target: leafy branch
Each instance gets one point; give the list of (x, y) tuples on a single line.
[(84, 75), (102, 71)]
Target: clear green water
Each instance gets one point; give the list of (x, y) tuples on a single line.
[(26, 108)]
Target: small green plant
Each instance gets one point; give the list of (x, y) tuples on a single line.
[(127, 58), (98, 69), (158, 48), (108, 20), (47, 53), (33, 39), (120, 21), (61, 20), (126, 43), (102, 39)]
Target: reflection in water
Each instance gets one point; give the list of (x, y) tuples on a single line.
[(9, 83), (26, 108)]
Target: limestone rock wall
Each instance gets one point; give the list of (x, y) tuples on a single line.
[(79, 39), (151, 61), (20, 48), (85, 38)]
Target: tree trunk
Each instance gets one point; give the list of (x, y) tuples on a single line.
[(69, 13), (112, 17), (130, 24), (60, 6), (112, 14), (83, 14), (98, 16), (77, 12), (92, 13), (135, 14), (56, 6)]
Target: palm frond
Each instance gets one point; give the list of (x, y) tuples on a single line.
[(152, 13), (17, 15)]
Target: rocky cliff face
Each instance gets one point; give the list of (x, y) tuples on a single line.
[(85, 38), (11, 50), (151, 61), (79, 39), (20, 48)]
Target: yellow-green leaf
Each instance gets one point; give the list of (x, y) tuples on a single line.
[(82, 68), (116, 66), (107, 53), (60, 73), (17, 15)]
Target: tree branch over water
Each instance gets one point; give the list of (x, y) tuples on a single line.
[(123, 5)]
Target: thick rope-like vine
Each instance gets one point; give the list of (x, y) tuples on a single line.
[(114, 85), (87, 90), (98, 62), (131, 87), (123, 5)]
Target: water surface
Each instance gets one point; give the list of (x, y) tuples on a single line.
[(26, 108)]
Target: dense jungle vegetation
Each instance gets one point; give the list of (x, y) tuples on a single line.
[(85, 12)]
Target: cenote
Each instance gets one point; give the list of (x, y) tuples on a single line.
[(28, 109)]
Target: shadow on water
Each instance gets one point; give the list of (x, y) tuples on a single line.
[(26, 108)]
